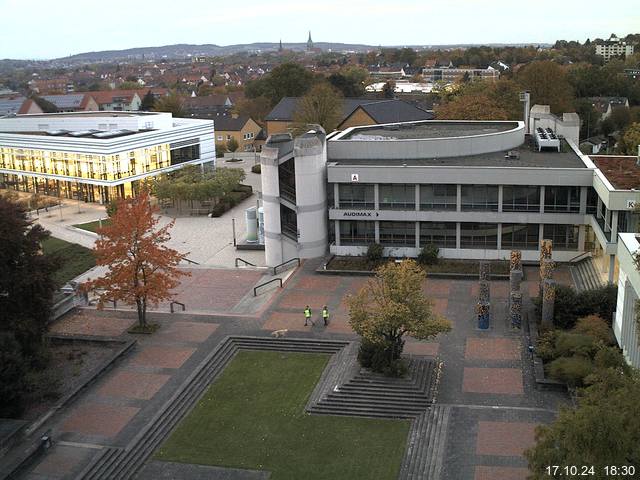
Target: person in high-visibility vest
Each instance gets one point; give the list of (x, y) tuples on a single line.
[(307, 315), (325, 315)]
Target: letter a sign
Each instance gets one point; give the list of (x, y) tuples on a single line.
[(355, 177)]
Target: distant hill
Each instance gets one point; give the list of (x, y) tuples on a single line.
[(184, 50)]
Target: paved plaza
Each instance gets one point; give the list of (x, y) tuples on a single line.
[(486, 379)]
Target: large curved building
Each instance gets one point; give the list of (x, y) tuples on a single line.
[(476, 189)]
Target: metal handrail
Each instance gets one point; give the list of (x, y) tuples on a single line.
[(255, 289), (243, 261), (176, 303), (190, 261), (275, 269), (583, 254)]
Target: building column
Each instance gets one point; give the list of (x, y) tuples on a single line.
[(583, 200), (418, 235), (499, 235), (499, 202), (607, 220), (377, 231), (582, 236), (459, 202), (541, 200), (336, 226), (614, 226), (376, 199), (458, 229), (336, 195), (599, 207), (417, 196), (612, 267), (540, 235)]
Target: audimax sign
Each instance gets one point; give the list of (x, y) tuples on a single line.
[(359, 213)]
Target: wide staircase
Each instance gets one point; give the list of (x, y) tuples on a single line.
[(585, 275), (372, 394)]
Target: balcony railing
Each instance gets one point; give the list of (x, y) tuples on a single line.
[(288, 192)]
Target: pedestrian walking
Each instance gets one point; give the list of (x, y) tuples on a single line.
[(307, 316), (325, 315)]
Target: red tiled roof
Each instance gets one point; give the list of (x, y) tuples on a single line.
[(622, 171)]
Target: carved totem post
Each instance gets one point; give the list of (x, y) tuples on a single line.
[(483, 308)]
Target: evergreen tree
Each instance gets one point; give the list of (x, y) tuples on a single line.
[(148, 102)]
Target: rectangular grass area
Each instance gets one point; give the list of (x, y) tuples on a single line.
[(73, 259), (253, 417), (93, 226)]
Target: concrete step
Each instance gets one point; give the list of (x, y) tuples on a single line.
[(364, 411), (384, 403)]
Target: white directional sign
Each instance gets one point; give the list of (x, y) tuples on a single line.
[(355, 177)]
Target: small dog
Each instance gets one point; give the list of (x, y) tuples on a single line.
[(279, 333)]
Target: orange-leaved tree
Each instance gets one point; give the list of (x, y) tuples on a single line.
[(142, 270)]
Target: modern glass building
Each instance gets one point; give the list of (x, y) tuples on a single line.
[(96, 156)]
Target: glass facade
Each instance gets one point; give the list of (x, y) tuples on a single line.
[(398, 234), (397, 196), (520, 236), (562, 199), (480, 197), (479, 235), (356, 196), (86, 166), (564, 237), (357, 233), (438, 197), (592, 201), (289, 222), (520, 198), (441, 234)]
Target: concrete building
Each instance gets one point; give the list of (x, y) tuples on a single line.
[(97, 156), (476, 189), (614, 47), (452, 74), (625, 326)]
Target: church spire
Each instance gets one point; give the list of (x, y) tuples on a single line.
[(309, 42), (280, 47)]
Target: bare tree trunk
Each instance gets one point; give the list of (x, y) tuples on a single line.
[(141, 319)]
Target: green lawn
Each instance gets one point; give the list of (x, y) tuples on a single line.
[(74, 259), (92, 226), (253, 417)]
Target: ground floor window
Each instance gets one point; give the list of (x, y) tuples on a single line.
[(520, 236), (353, 232), (398, 234), (479, 235), (564, 237), (440, 234)]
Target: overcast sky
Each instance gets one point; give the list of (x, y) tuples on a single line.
[(56, 28)]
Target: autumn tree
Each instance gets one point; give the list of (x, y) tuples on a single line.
[(389, 306), (322, 105), (548, 84), (232, 144), (142, 270), (172, 103), (148, 102), (471, 107), (255, 108), (603, 430), (286, 80), (630, 140)]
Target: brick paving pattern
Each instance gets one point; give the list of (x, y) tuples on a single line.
[(492, 349), (504, 438), (142, 386), (162, 357), (493, 380), (186, 331), (98, 419)]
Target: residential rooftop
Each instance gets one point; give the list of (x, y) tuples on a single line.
[(622, 172)]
